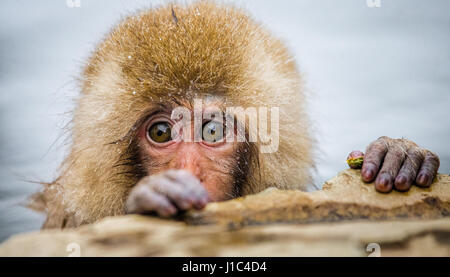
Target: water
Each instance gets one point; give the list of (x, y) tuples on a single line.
[(369, 71)]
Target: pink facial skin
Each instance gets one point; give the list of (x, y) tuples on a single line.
[(209, 162)]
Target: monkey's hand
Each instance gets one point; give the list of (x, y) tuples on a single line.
[(398, 163), (166, 194)]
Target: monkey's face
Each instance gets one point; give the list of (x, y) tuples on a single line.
[(201, 147)]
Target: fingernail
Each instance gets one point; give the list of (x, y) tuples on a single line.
[(167, 212), (401, 179), (401, 183), (200, 204), (204, 201), (368, 174), (423, 179), (383, 183), (383, 180)]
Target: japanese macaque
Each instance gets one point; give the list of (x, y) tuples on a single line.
[(130, 154)]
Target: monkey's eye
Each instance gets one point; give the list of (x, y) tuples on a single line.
[(160, 132), (212, 132)]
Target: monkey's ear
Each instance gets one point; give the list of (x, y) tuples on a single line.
[(36, 202), (49, 201)]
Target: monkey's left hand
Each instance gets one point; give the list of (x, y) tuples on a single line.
[(166, 194), (398, 163)]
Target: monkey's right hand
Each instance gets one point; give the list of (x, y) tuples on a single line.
[(166, 194)]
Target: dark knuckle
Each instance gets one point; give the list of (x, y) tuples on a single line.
[(397, 151), (368, 162), (433, 158), (409, 143), (377, 145), (416, 153)]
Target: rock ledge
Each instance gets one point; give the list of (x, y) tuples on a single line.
[(346, 218)]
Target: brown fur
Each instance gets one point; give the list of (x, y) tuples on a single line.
[(195, 50)]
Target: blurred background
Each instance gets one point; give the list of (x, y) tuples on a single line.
[(372, 68)]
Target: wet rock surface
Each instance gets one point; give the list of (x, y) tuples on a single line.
[(346, 218)]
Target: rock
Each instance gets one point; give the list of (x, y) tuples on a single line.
[(344, 197), (147, 236), (344, 219)]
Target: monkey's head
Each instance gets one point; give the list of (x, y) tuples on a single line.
[(176, 56)]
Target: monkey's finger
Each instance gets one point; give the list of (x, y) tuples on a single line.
[(375, 153), (408, 172), (391, 166), (428, 170), (179, 195), (192, 184), (143, 200)]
